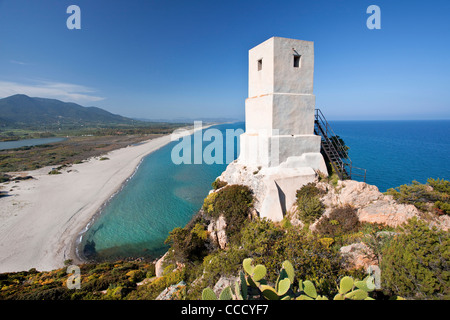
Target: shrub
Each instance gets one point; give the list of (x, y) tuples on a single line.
[(340, 221), (309, 206), (4, 177), (269, 244), (252, 285), (234, 203), (416, 264), (440, 185), (434, 194), (152, 290), (217, 184), (310, 209), (208, 203), (310, 258), (442, 207), (188, 244), (308, 190)]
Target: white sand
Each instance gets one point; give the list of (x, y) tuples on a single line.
[(41, 219)]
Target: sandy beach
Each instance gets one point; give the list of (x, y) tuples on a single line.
[(41, 217)]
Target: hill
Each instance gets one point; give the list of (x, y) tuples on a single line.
[(22, 111)]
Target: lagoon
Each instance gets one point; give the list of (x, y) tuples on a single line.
[(6, 145)]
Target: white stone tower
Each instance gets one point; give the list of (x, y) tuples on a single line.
[(279, 139), (279, 111)]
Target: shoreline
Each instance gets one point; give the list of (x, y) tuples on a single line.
[(73, 254), (42, 218)]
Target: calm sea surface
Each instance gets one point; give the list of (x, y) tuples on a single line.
[(161, 195)]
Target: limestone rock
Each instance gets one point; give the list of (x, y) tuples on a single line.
[(217, 232), (375, 207), (159, 266), (224, 282), (358, 255), (167, 293)]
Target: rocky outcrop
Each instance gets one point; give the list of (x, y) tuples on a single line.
[(217, 232), (224, 282), (358, 255), (167, 294), (159, 265), (373, 206)]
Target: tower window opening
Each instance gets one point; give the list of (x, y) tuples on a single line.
[(297, 61), (259, 64)]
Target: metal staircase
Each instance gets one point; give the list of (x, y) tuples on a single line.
[(334, 150)]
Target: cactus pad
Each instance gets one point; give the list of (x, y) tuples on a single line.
[(309, 289), (346, 285), (289, 270), (269, 293), (226, 294), (357, 294), (259, 272), (208, 294), (247, 263), (283, 286)]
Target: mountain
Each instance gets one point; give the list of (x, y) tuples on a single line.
[(23, 111)]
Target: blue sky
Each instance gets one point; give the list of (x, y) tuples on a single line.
[(173, 58)]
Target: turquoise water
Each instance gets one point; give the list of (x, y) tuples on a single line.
[(159, 197), (162, 195), (28, 143)]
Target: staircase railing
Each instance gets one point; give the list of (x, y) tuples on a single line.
[(335, 151)]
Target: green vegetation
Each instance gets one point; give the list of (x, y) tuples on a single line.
[(54, 171), (340, 221), (435, 194), (309, 205), (92, 132), (416, 264), (278, 261), (253, 286), (233, 202), (71, 151), (98, 281), (217, 184), (188, 243)]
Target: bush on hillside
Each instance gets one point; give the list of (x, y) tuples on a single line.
[(188, 244), (340, 221), (269, 244), (434, 194), (234, 203), (416, 264), (309, 206), (217, 184)]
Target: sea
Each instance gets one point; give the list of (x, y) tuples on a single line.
[(161, 195)]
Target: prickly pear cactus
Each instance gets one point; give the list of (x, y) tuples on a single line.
[(208, 294), (355, 290), (252, 285), (226, 294)]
